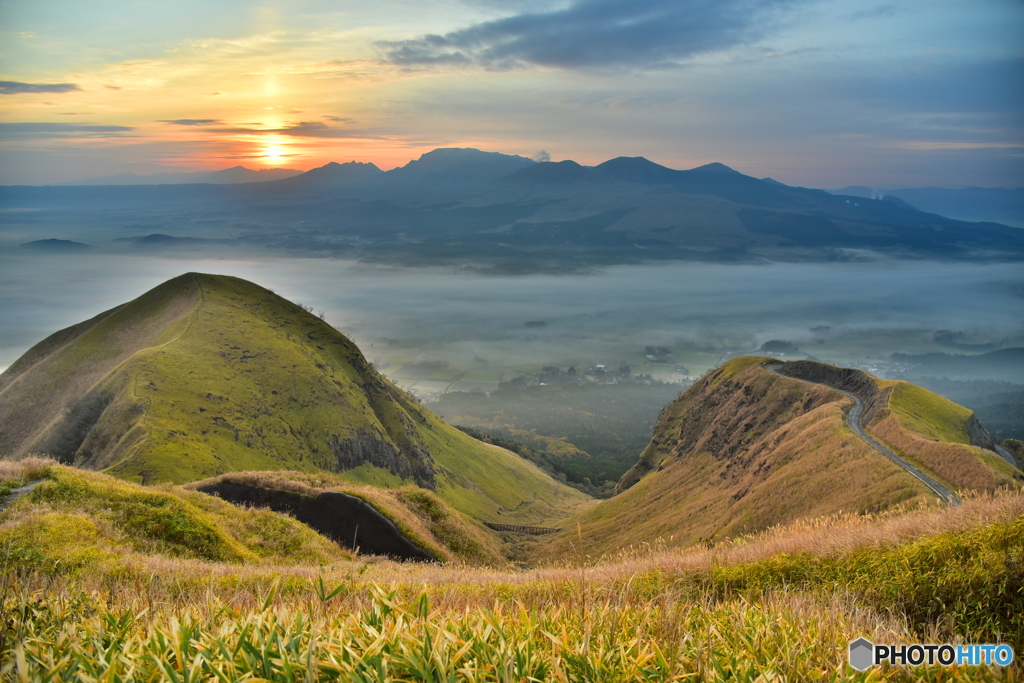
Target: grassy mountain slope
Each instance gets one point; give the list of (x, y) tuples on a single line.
[(76, 519), (935, 433), (744, 450), (780, 605), (420, 515), (66, 365), (210, 374), (943, 439)]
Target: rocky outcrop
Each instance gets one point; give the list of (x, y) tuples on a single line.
[(980, 437), (347, 520), (370, 448), (723, 415), (857, 382)]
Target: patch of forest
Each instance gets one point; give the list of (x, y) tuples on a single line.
[(585, 433)]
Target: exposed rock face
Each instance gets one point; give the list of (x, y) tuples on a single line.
[(723, 416), (981, 438), (863, 386), (857, 382), (365, 447), (347, 520), (979, 435)]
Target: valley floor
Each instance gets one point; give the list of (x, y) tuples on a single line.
[(781, 605)]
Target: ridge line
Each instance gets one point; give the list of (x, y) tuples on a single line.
[(853, 421)]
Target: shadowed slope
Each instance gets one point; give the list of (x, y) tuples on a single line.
[(60, 370), (406, 523), (236, 378)]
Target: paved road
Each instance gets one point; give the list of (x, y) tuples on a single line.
[(853, 420)]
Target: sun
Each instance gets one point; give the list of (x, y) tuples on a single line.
[(274, 154)]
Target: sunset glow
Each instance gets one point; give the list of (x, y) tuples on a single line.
[(812, 93)]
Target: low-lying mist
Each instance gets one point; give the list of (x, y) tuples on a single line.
[(835, 311)]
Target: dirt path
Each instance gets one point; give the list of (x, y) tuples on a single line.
[(18, 493), (853, 420)]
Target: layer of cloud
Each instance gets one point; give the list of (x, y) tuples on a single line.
[(190, 122), (59, 130), (303, 129), (18, 88), (596, 33), (616, 312)]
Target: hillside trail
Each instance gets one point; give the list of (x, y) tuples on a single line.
[(18, 493), (853, 418)]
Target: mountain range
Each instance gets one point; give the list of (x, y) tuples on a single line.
[(506, 213), (995, 204)]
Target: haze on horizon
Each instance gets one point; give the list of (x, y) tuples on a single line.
[(810, 92)]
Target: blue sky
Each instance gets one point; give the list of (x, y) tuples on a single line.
[(815, 93)]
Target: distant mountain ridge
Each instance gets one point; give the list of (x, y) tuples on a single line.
[(995, 204), (618, 170), (506, 213)]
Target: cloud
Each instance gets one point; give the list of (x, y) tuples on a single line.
[(190, 122), (541, 156), (18, 88), (303, 129), (596, 33), (59, 130), (880, 12)]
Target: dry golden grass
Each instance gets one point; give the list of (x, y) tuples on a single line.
[(730, 612), (958, 465), (828, 536), (26, 469), (811, 466)]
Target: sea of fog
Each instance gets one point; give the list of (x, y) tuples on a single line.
[(538, 319)]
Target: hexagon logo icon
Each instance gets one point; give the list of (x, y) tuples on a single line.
[(861, 654)]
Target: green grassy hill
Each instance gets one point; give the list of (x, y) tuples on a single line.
[(75, 520), (151, 586), (210, 374), (745, 449)]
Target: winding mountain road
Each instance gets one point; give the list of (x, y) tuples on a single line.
[(853, 420)]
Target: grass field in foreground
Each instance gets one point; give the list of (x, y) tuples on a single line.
[(782, 605)]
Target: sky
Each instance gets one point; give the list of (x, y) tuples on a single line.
[(819, 93)]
